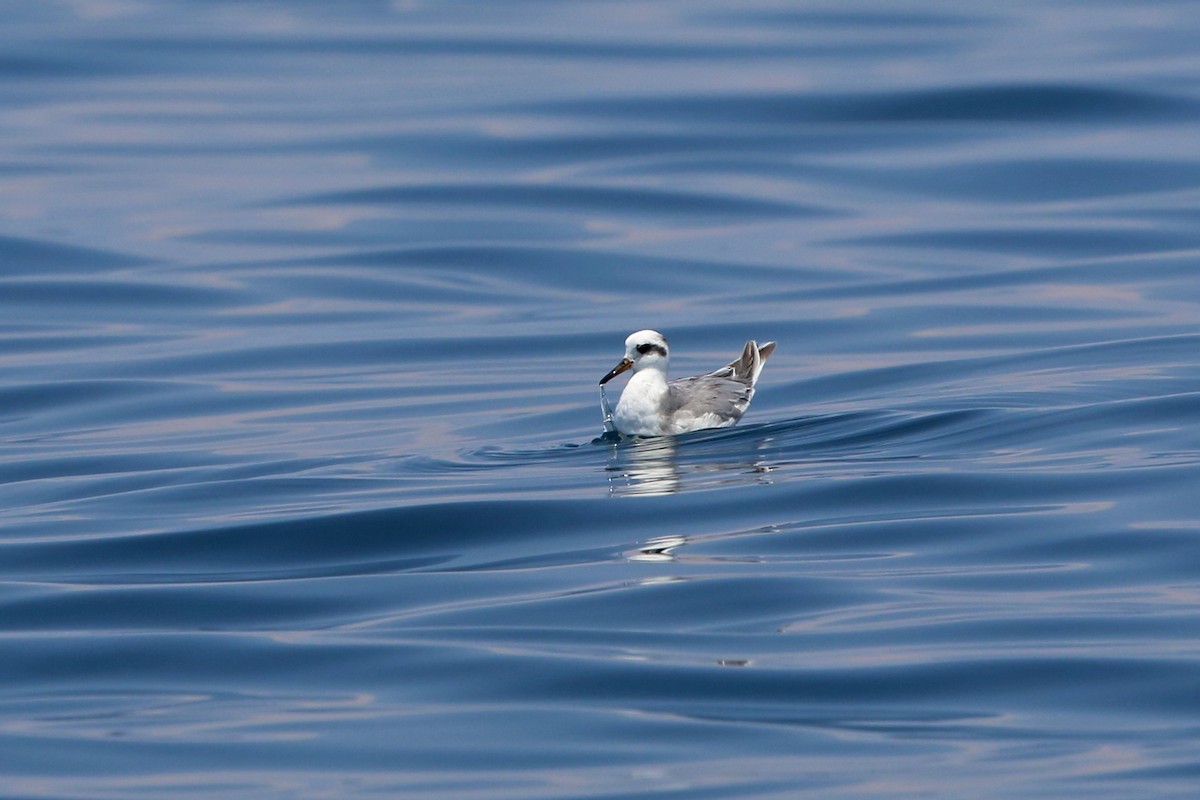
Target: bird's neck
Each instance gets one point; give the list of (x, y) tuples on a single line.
[(650, 378)]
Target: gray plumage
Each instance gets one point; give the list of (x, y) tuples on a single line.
[(725, 393)]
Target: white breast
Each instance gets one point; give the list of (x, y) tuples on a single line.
[(641, 410)]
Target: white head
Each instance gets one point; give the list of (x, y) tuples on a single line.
[(643, 350)]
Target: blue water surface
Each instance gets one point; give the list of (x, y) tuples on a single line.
[(302, 310)]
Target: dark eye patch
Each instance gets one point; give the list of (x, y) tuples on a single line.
[(650, 346)]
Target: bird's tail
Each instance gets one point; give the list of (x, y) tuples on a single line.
[(750, 364)]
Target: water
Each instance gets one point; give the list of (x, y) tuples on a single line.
[(303, 309)]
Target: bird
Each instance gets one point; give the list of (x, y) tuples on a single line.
[(650, 405)]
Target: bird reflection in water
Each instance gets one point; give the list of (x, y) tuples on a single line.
[(654, 466)]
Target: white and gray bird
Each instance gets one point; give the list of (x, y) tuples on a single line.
[(651, 405)]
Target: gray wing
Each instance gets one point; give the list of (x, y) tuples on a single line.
[(719, 397)]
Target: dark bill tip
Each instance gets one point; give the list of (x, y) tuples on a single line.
[(617, 370)]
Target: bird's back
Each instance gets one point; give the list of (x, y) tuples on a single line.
[(721, 397)]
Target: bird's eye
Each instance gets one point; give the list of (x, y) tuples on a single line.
[(652, 347)]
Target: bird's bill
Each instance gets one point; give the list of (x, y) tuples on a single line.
[(617, 370)]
